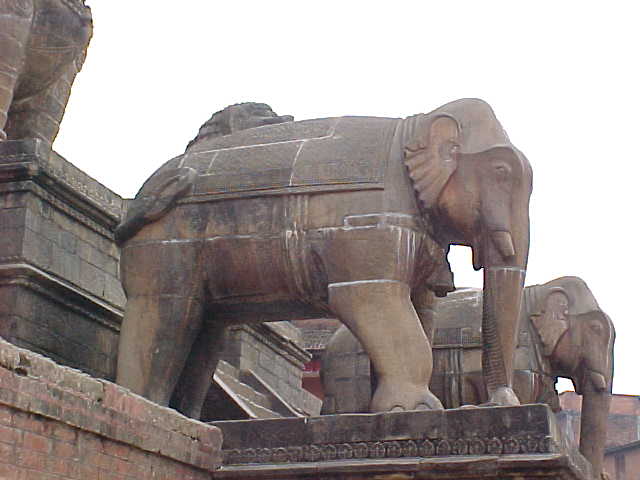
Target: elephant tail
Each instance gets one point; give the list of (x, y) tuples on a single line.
[(159, 195)]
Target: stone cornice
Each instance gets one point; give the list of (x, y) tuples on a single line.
[(31, 160)]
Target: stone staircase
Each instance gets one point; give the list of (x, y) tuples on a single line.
[(254, 399)]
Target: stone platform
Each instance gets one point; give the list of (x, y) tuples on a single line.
[(502, 442)]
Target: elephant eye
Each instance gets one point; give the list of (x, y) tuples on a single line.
[(502, 171), (597, 328)]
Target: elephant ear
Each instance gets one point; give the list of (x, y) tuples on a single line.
[(431, 157), (551, 323)]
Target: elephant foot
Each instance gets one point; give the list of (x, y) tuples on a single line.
[(502, 397), (396, 398)]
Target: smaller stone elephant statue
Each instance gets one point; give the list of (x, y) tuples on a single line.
[(562, 333), (43, 44)]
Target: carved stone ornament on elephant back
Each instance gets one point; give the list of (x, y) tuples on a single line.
[(346, 216), (43, 44), (563, 333)]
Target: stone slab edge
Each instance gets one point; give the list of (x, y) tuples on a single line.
[(505, 435), (561, 466), (36, 384)]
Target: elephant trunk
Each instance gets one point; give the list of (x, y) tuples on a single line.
[(593, 424), (595, 384), (504, 257), (501, 299)]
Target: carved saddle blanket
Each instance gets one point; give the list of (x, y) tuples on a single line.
[(345, 153)]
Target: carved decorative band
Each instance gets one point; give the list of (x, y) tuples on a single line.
[(525, 444)]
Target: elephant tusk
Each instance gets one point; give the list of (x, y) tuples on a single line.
[(598, 380), (504, 243), (476, 258)]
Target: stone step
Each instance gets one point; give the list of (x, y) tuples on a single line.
[(259, 411), (259, 403)]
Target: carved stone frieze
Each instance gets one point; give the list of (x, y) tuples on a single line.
[(421, 447)]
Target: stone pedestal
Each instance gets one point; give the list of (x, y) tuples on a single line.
[(502, 442), (59, 289)]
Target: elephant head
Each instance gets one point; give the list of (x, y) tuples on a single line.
[(578, 339), (474, 187)]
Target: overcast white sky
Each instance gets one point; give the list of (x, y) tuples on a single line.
[(562, 77)]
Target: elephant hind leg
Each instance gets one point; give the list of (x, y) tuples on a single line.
[(155, 339), (380, 314), (162, 318), (197, 375)]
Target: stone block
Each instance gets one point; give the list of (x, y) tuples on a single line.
[(13, 218), (11, 243)]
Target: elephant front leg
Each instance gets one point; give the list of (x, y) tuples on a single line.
[(15, 25), (380, 314)]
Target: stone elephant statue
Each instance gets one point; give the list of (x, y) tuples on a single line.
[(348, 216), (43, 44), (563, 333)]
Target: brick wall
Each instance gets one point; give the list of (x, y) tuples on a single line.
[(623, 424), (58, 423), (623, 463)]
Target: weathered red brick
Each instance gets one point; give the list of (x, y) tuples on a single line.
[(6, 415), (7, 453), (136, 407), (90, 443), (28, 421), (9, 434), (31, 459), (59, 466), (104, 475), (9, 472), (116, 449), (85, 472), (9, 380), (113, 396), (35, 475), (64, 432), (64, 450), (98, 459), (31, 441)]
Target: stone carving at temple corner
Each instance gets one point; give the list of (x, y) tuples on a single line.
[(43, 44)]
